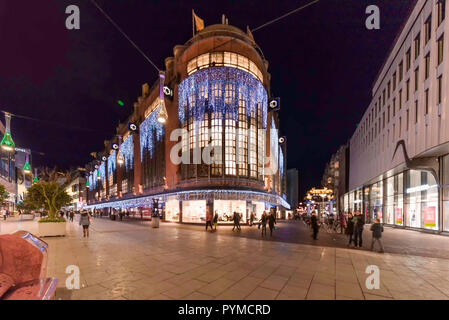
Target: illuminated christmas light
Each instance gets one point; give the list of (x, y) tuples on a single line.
[(151, 131), (102, 172), (147, 201), (127, 151), (219, 90), (120, 103), (7, 142), (27, 166), (112, 163), (36, 179)]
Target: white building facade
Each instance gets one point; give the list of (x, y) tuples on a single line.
[(399, 153)]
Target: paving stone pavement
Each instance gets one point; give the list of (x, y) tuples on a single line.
[(134, 261)]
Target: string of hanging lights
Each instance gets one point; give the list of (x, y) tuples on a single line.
[(147, 201), (112, 162), (151, 131), (219, 90), (127, 152)]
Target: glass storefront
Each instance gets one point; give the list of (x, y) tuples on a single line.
[(226, 209), (172, 210), (389, 201), (407, 199), (375, 202), (399, 199), (421, 200), (194, 211), (446, 193)]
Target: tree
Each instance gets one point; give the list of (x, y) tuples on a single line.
[(3, 194), (49, 193)]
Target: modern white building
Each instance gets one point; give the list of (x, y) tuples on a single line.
[(399, 153), (76, 191)]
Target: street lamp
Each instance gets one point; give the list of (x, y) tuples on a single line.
[(7, 142), (27, 166), (36, 179), (163, 116)]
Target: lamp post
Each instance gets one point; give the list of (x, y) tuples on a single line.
[(7, 142), (36, 179), (27, 166), (163, 116)]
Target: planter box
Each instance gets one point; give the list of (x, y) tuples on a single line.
[(155, 222), (51, 229), (26, 217)]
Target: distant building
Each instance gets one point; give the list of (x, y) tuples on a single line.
[(293, 187), (336, 175), (76, 190), (12, 176)]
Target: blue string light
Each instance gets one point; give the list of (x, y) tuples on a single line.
[(112, 162), (103, 172), (94, 180), (91, 181), (281, 163), (274, 141), (147, 201), (127, 151), (206, 90), (150, 129)]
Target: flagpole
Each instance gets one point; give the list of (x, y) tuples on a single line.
[(193, 24)]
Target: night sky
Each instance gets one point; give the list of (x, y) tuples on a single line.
[(323, 62)]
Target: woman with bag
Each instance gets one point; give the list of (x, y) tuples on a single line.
[(85, 222)]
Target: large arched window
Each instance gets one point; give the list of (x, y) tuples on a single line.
[(227, 108)]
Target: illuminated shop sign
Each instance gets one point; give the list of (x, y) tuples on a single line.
[(423, 187)]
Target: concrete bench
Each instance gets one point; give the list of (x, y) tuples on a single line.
[(23, 268)]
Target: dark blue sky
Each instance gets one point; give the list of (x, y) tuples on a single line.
[(323, 62)]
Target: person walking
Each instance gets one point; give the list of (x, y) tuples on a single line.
[(263, 223), (4, 214), (215, 220), (251, 219), (209, 221), (236, 219), (71, 215), (315, 226), (359, 223), (377, 230), (350, 229), (271, 223), (85, 222)]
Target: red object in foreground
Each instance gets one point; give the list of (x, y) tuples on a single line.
[(23, 268)]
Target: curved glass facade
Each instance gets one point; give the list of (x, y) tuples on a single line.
[(223, 59), (225, 108)]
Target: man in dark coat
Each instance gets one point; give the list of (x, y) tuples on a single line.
[(271, 222), (350, 229), (314, 225), (236, 221), (359, 223)]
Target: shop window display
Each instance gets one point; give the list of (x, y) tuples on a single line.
[(172, 210), (194, 211), (226, 209), (399, 199), (389, 201), (421, 200)]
